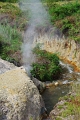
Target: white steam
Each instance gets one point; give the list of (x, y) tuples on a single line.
[(39, 26), (38, 18)]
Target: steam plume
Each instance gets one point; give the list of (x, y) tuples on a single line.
[(39, 26), (38, 18)]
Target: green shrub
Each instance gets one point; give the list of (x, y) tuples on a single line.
[(47, 67), (10, 41), (52, 1), (11, 9), (66, 16), (15, 17), (61, 11), (11, 1)]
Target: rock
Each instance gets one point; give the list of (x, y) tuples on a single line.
[(19, 97), (52, 84), (56, 83), (56, 111), (5, 66), (44, 113), (66, 82), (65, 48), (40, 85)]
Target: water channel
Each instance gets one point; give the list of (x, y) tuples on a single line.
[(52, 94)]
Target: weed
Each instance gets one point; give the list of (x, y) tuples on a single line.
[(58, 118), (11, 9), (11, 1), (10, 41), (72, 105), (66, 16), (60, 106), (47, 67)]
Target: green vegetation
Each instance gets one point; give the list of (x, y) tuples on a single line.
[(51, 1), (61, 11), (47, 67), (68, 111), (11, 1), (10, 41), (58, 118), (12, 23), (15, 17), (71, 106), (65, 15), (11, 9)]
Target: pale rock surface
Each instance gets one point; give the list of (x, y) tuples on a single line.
[(68, 51), (19, 97), (5, 66), (56, 113)]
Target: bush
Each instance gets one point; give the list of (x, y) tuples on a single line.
[(11, 9), (47, 67), (66, 17), (10, 41), (51, 1), (61, 11), (11, 1)]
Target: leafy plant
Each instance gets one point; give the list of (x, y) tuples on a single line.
[(11, 9), (15, 17), (66, 16), (61, 11), (71, 107), (11, 1), (47, 67), (10, 41)]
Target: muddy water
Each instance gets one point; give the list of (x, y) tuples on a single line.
[(52, 94)]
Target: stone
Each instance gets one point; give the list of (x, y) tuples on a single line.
[(19, 97), (56, 111), (40, 85), (56, 83), (69, 51), (5, 66)]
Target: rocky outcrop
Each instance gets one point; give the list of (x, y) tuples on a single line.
[(19, 97), (54, 114), (65, 110), (68, 51), (5, 66)]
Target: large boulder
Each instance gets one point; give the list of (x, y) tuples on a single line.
[(19, 97), (5, 66)]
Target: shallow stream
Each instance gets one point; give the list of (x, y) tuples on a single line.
[(52, 94)]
